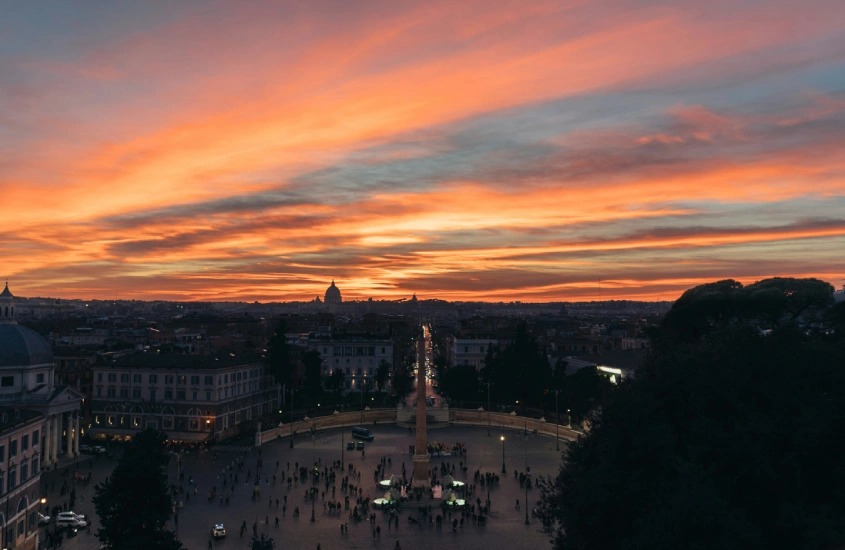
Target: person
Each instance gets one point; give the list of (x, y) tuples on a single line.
[(397, 547), (209, 544)]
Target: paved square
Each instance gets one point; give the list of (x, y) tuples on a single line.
[(505, 528)]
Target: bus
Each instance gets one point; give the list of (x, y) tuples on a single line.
[(362, 433)]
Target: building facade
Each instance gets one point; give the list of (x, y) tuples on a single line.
[(20, 474), (189, 397), (468, 351), (28, 381), (358, 359)]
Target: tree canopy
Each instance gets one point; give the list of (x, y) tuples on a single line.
[(519, 372), (313, 383), (728, 437), (133, 503), (278, 357)]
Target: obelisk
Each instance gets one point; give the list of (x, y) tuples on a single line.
[(421, 476)]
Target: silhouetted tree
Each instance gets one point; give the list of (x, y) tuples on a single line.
[(278, 357), (262, 542), (382, 374), (728, 436), (313, 383), (336, 381), (133, 502)]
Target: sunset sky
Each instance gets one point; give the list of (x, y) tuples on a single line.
[(201, 150)]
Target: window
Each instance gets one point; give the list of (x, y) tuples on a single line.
[(195, 425), (112, 377), (226, 379), (153, 379), (13, 478), (35, 465), (180, 394), (13, 448), (124, 392), (239, 376), (7, 381), (99, 377), (136, 393), (181, 379), (136, 422), (124, 378), (96, 420), (382, 351), (110, 420), (168, 378), (194, 395), (168, 423), (24, 442), (39, 378), (20, 528), (209, 380), (347, 371), (168, 394), (24, 471), (111, 392), (195, 380), (2, 453), (208, 396), (136, 378), (99, 392), (35, 438), (152, 395)]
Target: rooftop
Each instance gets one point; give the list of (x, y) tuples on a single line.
[(152, 360)]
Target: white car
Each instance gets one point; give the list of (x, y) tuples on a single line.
[(99, 449), (85, 449), (69, 518), (42, 519)]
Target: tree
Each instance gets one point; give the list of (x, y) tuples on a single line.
[(728, 437), (313, 384), (519, 372), (382, 374), (133, 503), (403, 382), (336, 382), (584, 390), (460, 382), (278, 356), (262, 543)]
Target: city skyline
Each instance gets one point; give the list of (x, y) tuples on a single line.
[(462, 151)]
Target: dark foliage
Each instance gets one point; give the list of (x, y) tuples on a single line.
[(278, 357), (133, 503), (729, 437), (313, 383)]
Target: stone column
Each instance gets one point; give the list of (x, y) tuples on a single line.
[(69, 436), (421, 474), (77, 435), (45, 449), (56, 434)]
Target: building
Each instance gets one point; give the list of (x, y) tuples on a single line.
[(468, 351), (189, 397), (20, 474), (358, 358), (28, 381)]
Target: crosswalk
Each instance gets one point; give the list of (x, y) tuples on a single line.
[(232, 448)]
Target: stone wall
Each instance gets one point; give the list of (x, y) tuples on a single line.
[(469, 417), (341, 420)]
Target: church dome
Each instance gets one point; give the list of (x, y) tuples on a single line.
[(333, 295), (22, 347)]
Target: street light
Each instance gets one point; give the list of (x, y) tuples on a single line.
[(568, 419), (557, 424), (527, 473), (504, 471), (488, 409), (291, 418)]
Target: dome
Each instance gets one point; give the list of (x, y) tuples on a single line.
[(333, 295), (21, 347)]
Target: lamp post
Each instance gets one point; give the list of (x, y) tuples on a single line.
[(504, 471), (488, 409), (527, 473), (342, 451), (568, 419), (291, 418), (557, 423)]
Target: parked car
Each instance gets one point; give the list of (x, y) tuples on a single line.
[(350, 446), (65, 519), (219, 531), (98, 449), (360, 446), (85, 448), (42, 519)]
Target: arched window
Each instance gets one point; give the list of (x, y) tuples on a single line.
[(193, 419), (167, 418), (22, 504), (167, 411), (136, 410)]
